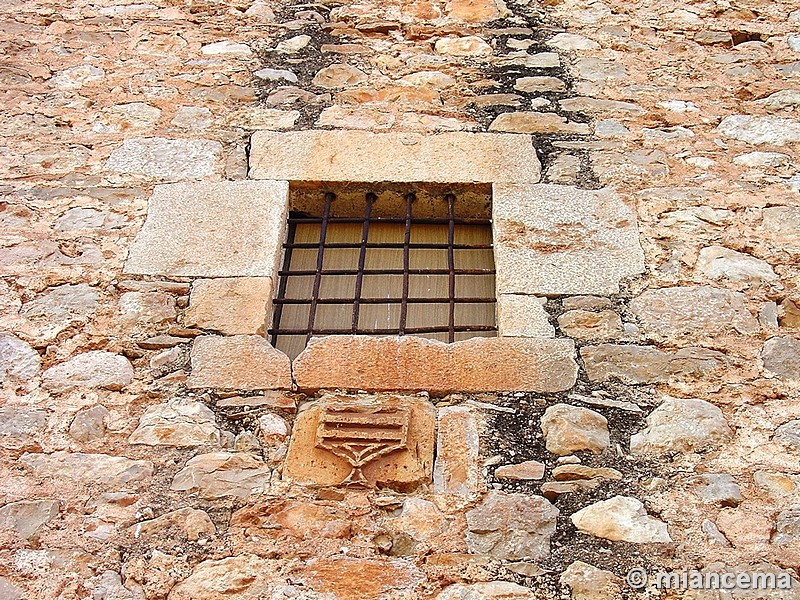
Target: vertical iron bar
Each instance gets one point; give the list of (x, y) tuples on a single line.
[(323, 232), (451, 265), (287, 264), (362, 257), (406, 259)]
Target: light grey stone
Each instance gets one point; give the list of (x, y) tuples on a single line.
[(512, 526), (682, 425), (780, 226), (145, 308), (720, 488), (179, 422), (127, 117), (26, 517), (76, 77), (762, 159), (457, 469), (522, 316), (565, 169), (714, 536), (21, 426), (89, 423), (595, 105), (62, 307), (221, 474), (541, 60), (226, 229), (610, 128), (781, 356), (777, 131), (571, 42), (92, 369), (789, 434), (591, 325), (276, 75), (193, 117), (634, 364), (600, 69), (693, 310), (787, 526), (79, 218), (226, 47), (552, 239), (167, 159), (717, 262), (96, 469), (540, 84), (399, 157), (8, 591), (568, 429), (486, 590), (621, 518), (781, 99), (18, 361)]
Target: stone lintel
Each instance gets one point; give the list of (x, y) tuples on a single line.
[(321, 155)]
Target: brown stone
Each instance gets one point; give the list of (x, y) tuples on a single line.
[(569, 429), (187, 522), (572, 472), (339, 76), (589, 325), (241, 362), (300, 519), (347, 578), (397, 434), (553, 489), (414, 364), (236, 305), (524, 471), (474, 11), (536, 122), (457, 472)]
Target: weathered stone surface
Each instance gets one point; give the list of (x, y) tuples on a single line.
[(220, 474), (237, 305), (91, 369), (553, 489), (18, 361), (476, 11), (457, 471), (787, 527), (9, 591), (413, 364), (146, 308), (690, 310), (524, 471), (717, 262), (552, 239), (179, 422), (399, 157), (522, 316), (595, 105), (89, 423), (97, 469), (564, 169), (780, 225), (575, 472), (777, 131), (586, 303), (241, 362), (226, 229), (28, 516), (420, 519), (463, 46), (781, 356), (540, 60), (539, 84), (719, 488), (590, 325), (569, 429), (537, 122), (167, 159), (316, 455), (587, 582), (62, 307), (620, 518), (682, 425), (378, 578), (21, 427), (645, 364), (243, 577), (339, 76), (189, 523), (512, 526), (571, 42), (488, 590), (789, 434)]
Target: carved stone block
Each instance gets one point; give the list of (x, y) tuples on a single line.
[(382, 440)]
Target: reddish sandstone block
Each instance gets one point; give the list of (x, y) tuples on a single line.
[(238, 362)]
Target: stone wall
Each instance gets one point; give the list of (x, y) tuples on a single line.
[(152, 441)]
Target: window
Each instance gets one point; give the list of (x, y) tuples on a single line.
[(385, 261)]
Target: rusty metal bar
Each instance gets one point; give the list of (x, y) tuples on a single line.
[(362, 258), (406, 261), (312, 311), (451, 265), (417, 220), (409, 330), (284, 273), (395, 300), (396, 245), (287, 263)]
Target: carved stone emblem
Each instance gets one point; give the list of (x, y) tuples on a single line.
[(378, 440)]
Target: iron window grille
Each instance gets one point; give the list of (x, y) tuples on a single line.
[(384, 275)]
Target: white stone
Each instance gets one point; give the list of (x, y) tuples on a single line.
[(92, 369), (762, 159), (179, 422), (227, 229), (226, 47), (95, 469), (682, 425), (293, 44), (221, 474), (253, 117), (488, 590), (571, 42), (781, 99), (464, 46), (678, 106), (718, 262), (621, 518), (76, 77), (127, 117), (18, 361), (28, 516), (777, 131), (193, 117), (522, 316), (167, 159), (146, 307), (276, 75), (400, 157), (553, 239)]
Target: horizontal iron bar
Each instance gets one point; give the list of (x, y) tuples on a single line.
[(414, 221), (391, 245), (388, 272), (411, 330), (385, 300)]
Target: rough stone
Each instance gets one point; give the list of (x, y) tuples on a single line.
[(420, 519), (777, 131), (682, 425), (313, 460), (539, 84), (522, 316), (413, 364), (463, 46), (717, 262), (576, 472), (189, 523), (787, 527), (293, 45), (621, 518), (378, 578), (21, 427), (645, 364), (18, 361), (512, 526), (537, 122), (179, 422), (565, 169), (227, 229), (398, 157), (167, 159), (89, 423), (276, 75), (226, 47), (264, 118), (242, 577), (781, 99), (221, 474), (92, 369), (780, 225), (569, 429), (237, 305), (27, 517), (587, 582), (96, 469), (571, 41), (193, 117), (241, 362), (552, 240), (127, 117), (524, 471), (9, 591), (789, 434), (146, 308), (781, 356), (586, 303), (62, 307), (719, 488), (487, 590), (690, 310), (339, 75), (457, 470), (589, 325), (595, 105)]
